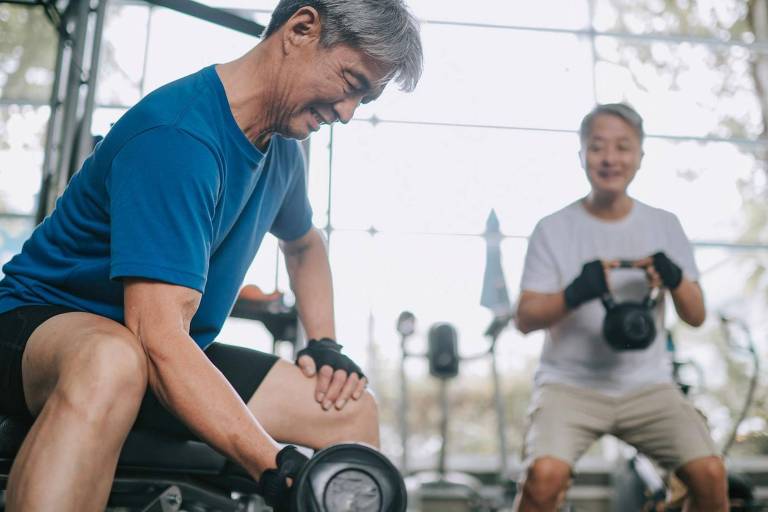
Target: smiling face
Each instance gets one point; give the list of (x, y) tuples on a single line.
[(332, 83), (611, 155)]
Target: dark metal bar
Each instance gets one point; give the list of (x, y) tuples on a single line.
[(211, 14)]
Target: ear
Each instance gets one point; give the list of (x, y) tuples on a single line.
[(582, 159), (301, 29)]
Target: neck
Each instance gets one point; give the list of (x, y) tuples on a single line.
[(608, 206), (249, 83)]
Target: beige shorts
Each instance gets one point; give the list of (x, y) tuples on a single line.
[(564, 421)]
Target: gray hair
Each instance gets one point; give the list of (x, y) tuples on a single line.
[(620, 110), (385, 30)]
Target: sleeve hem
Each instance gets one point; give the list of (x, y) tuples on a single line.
[(158, 273)]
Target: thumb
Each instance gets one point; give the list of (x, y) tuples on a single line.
[(307, 365)]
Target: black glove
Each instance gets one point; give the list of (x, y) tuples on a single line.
[(671, 275), (273, 485), (324, 352), (590, 284)]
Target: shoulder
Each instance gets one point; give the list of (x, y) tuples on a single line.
[(560, 219), (656, 214)]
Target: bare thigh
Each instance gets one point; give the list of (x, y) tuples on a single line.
[(285, 405), (82, 347)]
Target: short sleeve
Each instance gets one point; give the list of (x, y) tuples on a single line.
[(163, 187), (294, 218), (540, 272), (679, 248)]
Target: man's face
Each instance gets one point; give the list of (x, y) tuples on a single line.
[(611, 155), (330, 85)]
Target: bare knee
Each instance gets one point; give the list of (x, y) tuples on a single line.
[(358, 421), (706, 480), (104, 377), (546, 479)]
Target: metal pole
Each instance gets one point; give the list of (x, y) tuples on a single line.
[(403, 406), (500, 415), (85, 143), (72, 101), (443, 427)]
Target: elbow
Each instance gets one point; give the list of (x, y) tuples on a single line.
[(697, 319), (523, 324)]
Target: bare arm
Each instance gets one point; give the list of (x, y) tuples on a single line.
[(539, 310), (306, 259), (689, 302), (186, 382)]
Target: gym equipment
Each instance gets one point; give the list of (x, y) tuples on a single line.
[(442, 490), (349, 478), (629, 325), (160, 473)]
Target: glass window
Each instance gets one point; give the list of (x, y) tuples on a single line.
[(724, 20), (709, 176), (22, 135), (571, 14), (682, 89), (122, 54), (180, 45), (490, 77), (446, 180)]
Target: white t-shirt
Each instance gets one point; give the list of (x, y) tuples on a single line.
[(575, 351)]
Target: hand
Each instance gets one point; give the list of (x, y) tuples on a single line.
[(590, 284), (661, 271), (275, 484), (338, 378)]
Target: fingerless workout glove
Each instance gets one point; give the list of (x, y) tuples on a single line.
[(273, 484), (671, 275), (324, 352), (588, 285)]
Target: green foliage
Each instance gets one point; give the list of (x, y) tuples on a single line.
[(28, 44)]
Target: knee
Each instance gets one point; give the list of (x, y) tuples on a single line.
[(108, 374), (359, 420), (545, 479), (706, 479)]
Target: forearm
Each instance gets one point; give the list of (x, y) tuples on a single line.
[(539, 310), (689, 302), (189, 385), (311, 282)]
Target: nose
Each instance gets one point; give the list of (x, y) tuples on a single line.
[(609, 156), (345, 108)]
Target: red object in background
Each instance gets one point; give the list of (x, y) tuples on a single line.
[(254, 293)]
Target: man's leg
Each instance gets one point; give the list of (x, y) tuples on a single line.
[(545, 485), (84, 377), (707, 485), (663, 424), (284, 403), (564, 421)]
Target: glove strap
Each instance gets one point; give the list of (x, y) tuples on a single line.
[(273, 485)]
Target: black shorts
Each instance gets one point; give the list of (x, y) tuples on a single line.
[(244, 368)]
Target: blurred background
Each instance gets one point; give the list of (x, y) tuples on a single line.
[(405, 189)]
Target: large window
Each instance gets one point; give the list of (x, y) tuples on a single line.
[(404, 190)]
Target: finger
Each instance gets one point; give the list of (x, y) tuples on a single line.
[(643, 262), (361, 385), (339, 378), (609, 264), (346, 392), (307, 365), (655, 278), (324, 377)]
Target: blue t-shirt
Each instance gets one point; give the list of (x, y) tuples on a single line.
[(176, 193)]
